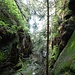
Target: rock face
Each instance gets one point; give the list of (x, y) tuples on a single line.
[(14, 38), (25, 44), (66, 59), (64, 42)]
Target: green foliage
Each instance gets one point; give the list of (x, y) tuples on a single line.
[(16, 17), (3, 24), (55, 24), (58, 5), (25, 66), (39, 42), (13, 9), (2, 56), (55, 53), (6, 28)]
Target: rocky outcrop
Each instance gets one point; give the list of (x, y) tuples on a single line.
[(15, 41), (64, 44), (66, 58)]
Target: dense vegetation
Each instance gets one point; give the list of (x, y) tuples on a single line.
[(16, 42)]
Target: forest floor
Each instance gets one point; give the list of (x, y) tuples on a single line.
[(34, 65)]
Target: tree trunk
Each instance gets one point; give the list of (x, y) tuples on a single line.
[(47, 37)]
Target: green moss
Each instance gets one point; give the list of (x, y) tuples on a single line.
[(15, 17), (15, 12), (66, 57)]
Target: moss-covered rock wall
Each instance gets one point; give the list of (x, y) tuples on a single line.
[(63, 54), (15, 41)]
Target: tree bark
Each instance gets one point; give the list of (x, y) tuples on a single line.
[(47, 38)]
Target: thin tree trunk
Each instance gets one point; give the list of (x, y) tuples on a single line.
[(47, 37)]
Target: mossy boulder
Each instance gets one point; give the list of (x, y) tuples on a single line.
[(66, 58)]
